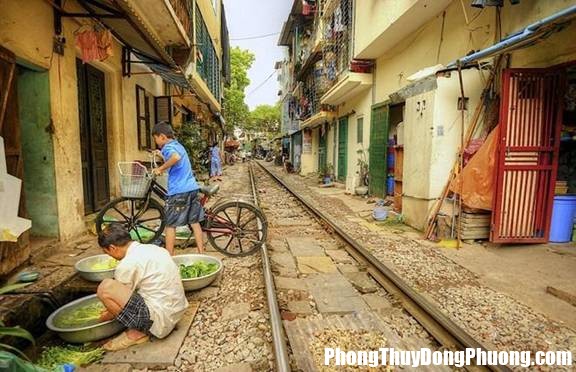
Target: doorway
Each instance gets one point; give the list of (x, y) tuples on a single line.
[(93, 136), (377, 165), (39, 176), (322, 152), (342, 148)]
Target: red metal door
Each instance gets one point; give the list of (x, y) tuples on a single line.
[(530, 122)]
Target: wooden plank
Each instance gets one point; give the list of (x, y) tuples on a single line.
[(563, 295)]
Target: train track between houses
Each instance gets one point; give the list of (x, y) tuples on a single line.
[(440, 327)]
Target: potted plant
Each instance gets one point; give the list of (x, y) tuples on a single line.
[(327, 174)]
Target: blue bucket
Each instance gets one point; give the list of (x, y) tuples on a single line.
[(563, 211), (390, 160), (390, 185)]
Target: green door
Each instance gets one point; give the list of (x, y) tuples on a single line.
[(378, 150), (322, 153), (342, 148)]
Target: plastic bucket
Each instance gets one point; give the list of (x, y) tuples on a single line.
[(390, 185), (563, 211)]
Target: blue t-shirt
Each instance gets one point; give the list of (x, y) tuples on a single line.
[(180, 176)]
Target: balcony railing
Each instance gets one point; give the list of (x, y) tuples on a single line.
[(337, 40)]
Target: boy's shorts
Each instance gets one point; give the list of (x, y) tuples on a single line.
[(135, 314), (183, 209)]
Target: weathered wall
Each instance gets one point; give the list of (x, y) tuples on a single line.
[(425, 47), (32, 43), (153, 85), (359, 107), (428, 155), (37, 151)]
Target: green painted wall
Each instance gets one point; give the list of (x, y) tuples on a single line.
[(37, 151)]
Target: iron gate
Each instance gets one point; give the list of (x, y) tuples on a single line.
[(530, 122)]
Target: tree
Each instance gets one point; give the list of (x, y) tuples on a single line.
[(265, 118), (235, 110)]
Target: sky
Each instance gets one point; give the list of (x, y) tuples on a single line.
[(249, 18)]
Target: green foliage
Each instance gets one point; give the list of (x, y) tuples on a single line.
[(197, 269), (53, 357), (265, 118), (17, 331), (12, 287), (190, 136), (235, 110)]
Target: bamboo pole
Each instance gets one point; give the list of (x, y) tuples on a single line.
[(460, 155)]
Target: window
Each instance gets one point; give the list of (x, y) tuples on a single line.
[(143, 119), (360, 130), (207, 62)]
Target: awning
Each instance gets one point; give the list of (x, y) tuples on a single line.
[(121, 18), (523, 38)]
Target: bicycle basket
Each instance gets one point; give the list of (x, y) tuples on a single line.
[(134, 179)]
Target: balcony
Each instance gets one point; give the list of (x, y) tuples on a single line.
[(385, 23), (169, 19), (349, 85)]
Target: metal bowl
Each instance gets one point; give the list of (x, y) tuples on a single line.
[(204, 281), (84, 268), (88, 333)]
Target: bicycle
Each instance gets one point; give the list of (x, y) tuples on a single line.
[(141, 210)]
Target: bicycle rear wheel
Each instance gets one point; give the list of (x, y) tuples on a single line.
[(143, 219), (236, 228)]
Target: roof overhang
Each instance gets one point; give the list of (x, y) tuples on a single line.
[(129, 28), (350, 85), (317, 120)]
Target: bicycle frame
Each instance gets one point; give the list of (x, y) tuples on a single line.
[(228, 227)]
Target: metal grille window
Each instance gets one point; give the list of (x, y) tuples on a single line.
[(207, 62), (359, 130), (337, 36)]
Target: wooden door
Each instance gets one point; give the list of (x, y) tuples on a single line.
[(322, 151), (12, 254), (378, 150), (342, 148), (530, 122), (93, 137)]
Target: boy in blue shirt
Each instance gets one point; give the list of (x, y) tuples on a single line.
[(183, 203)]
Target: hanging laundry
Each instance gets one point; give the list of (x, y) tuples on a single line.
[(338, 20), (94, 45)]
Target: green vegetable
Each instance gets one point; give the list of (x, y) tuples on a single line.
[(53, 357), (88, 314), (197, 269), (105, 265)]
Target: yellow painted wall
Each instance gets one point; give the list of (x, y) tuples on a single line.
[(360, 106), (153, 85), (31, 41), (309, 161), (423, 48), (428, 158)]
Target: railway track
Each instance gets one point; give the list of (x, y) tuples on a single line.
[(438, 326)]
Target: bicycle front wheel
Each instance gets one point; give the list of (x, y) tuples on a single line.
[(144, 219), (236, 228)]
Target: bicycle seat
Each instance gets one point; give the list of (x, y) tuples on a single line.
[(209, 189)]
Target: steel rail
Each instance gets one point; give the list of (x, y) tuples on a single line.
[(278, 337), (442, 328)]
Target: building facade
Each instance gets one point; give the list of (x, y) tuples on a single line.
[(389, 93), (72, 114)]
